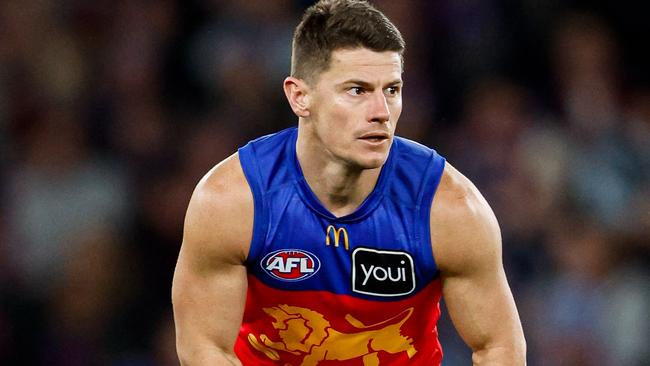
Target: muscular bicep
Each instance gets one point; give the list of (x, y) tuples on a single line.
[(467, 245), (208, 306), (209, 286), (482, 309)]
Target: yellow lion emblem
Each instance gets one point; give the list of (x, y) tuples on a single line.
[(306, 332)]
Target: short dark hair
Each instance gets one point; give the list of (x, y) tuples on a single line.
[(330, 25)]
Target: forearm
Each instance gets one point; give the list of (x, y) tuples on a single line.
[(500, 356)]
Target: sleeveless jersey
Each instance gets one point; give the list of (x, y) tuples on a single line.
[(362, 289)]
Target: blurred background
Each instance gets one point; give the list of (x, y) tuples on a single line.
[(111, 111)]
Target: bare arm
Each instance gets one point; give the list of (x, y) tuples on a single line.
[(209, 287), (467, 244)]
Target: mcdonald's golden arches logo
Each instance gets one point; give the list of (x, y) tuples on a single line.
[(336, 234)]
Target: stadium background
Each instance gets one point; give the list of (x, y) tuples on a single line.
[(111, 111)]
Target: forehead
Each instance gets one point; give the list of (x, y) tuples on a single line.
[(365, 64)]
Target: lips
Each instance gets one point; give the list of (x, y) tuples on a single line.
[(375, 136)]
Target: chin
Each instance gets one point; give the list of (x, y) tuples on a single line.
[(373, 162)]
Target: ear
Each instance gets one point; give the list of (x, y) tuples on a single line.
[(297, 92)]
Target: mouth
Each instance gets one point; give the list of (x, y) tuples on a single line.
[(375, 137)]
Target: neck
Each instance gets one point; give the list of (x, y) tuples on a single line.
[(340, 186)]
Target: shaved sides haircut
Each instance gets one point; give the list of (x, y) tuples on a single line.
[(330, 25)]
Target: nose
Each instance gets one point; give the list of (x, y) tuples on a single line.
[(378, 111)]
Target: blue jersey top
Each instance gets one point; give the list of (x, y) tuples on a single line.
[(361, 289)]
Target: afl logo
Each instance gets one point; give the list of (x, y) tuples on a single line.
[(290, 264)]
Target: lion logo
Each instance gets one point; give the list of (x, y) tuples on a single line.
[(306, 332)]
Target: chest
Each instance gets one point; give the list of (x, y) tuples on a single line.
[(385, 254)]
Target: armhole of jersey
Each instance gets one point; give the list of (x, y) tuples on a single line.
[(430, 184), (253, 176)]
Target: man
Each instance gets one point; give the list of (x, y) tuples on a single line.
[(332, 243)]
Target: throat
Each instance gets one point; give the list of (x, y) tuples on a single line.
[(340, 186), (340, 192), (341, 206)]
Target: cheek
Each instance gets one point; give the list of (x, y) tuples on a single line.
[(330, 122), (339, 115), (395, 111)]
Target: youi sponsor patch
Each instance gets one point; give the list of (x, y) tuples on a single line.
[(290, 264), (382, 272)]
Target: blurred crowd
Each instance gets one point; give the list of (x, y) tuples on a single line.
[(111, 111)]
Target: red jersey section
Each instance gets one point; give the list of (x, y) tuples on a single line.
[(305, 328)]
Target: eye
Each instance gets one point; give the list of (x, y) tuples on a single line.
[(392, 90), (356, 90)]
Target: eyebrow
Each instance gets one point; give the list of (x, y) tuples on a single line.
[(368, 85)]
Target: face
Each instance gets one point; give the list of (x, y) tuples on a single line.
[(354, 106)]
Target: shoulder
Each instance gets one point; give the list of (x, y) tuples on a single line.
[(410, 148), (464, 230), (219, 217)]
